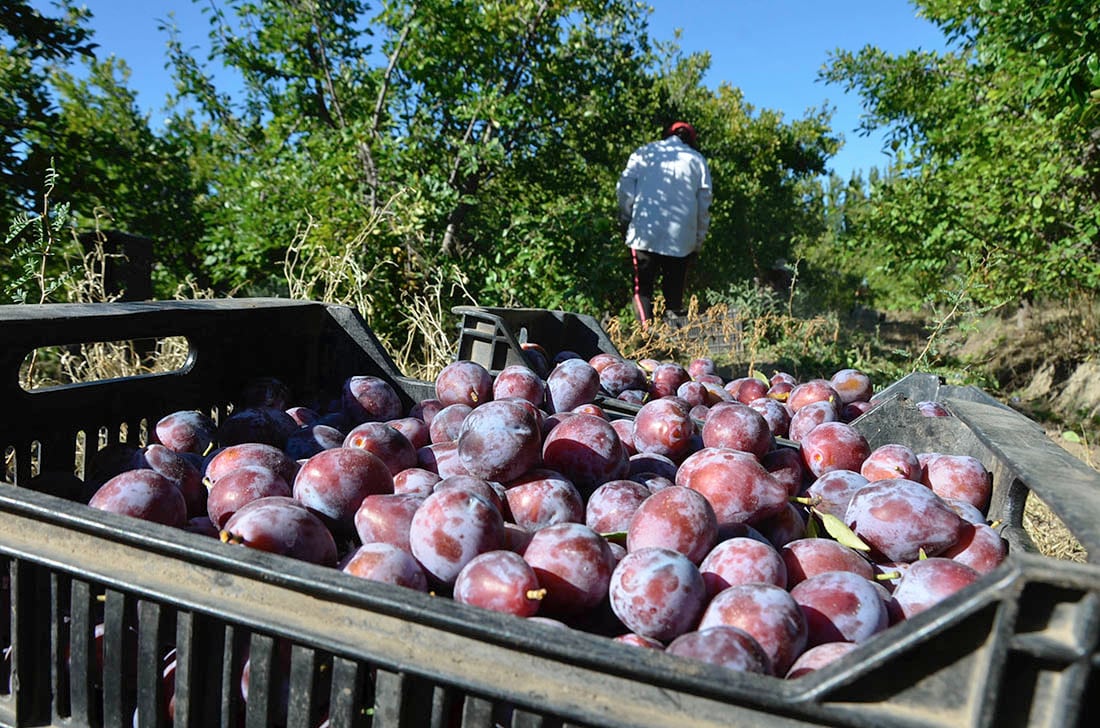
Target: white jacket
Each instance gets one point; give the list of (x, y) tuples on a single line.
[(664, 194)]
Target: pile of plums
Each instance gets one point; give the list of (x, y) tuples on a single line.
[(746, 522)]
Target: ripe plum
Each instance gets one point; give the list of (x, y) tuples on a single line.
[(775, 414), (927, 582), (384, 441), (489, 490), (447, 422), (464, 382), (657, 593), (414, 429), (386, 563), (387, 518), (536, 357), (891, 461), (571, 383), (415, 481), (586, 450), (742, 560), (728, 647), (701, 365), (281, 526), (932, 409), (961, 477), (667, 379), (516, 380), (256, 424), (441, 458), (738, 427), (813, 390), (899, 518), (308, 440), (500, 440), (186, 431), (810, 416), (242, 485), (806, 557), (664, 426), (450, 528), (611, 506), (694, 393), (621, 376), (765, 611), (426, 409), (738, 487), (499, 580), (573, 563), (624, 428), (785, 464), (602, 360), (834, 446), (832, 491), (542, 497), (676, 518), (980, 547), (818, 657), (786, 526), (746, 389), (142, 493), (840, 607), (180, 470), (334, 483), (250, 453), (852, 385)]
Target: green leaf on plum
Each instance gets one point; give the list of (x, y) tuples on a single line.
[(840, 531)]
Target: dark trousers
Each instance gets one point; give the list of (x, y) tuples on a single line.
[(673, 273)]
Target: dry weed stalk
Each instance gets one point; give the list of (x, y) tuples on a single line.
[(431, 343), (317, 272), (94, 361)]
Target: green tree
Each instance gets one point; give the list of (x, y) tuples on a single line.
[(120, 174), (996, 184), (475, 132), (32, 45)]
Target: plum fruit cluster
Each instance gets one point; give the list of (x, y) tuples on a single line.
[(746, 522)]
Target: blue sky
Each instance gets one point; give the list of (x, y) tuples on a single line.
[(771, 49)]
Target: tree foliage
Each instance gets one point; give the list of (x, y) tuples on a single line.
[(487, 137), (487, 134), (997, 175), (31, 44)]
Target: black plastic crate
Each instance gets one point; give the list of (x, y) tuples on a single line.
[(494, 337), (1018, 648)]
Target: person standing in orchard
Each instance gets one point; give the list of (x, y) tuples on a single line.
[(664, 203)]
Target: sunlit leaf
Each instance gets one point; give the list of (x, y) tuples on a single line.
[(840, 531)]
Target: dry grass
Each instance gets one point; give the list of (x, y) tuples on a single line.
[(319, 270), (96, 361), (431, 343), (729, 335), (1049, 534), (1046, 530)]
